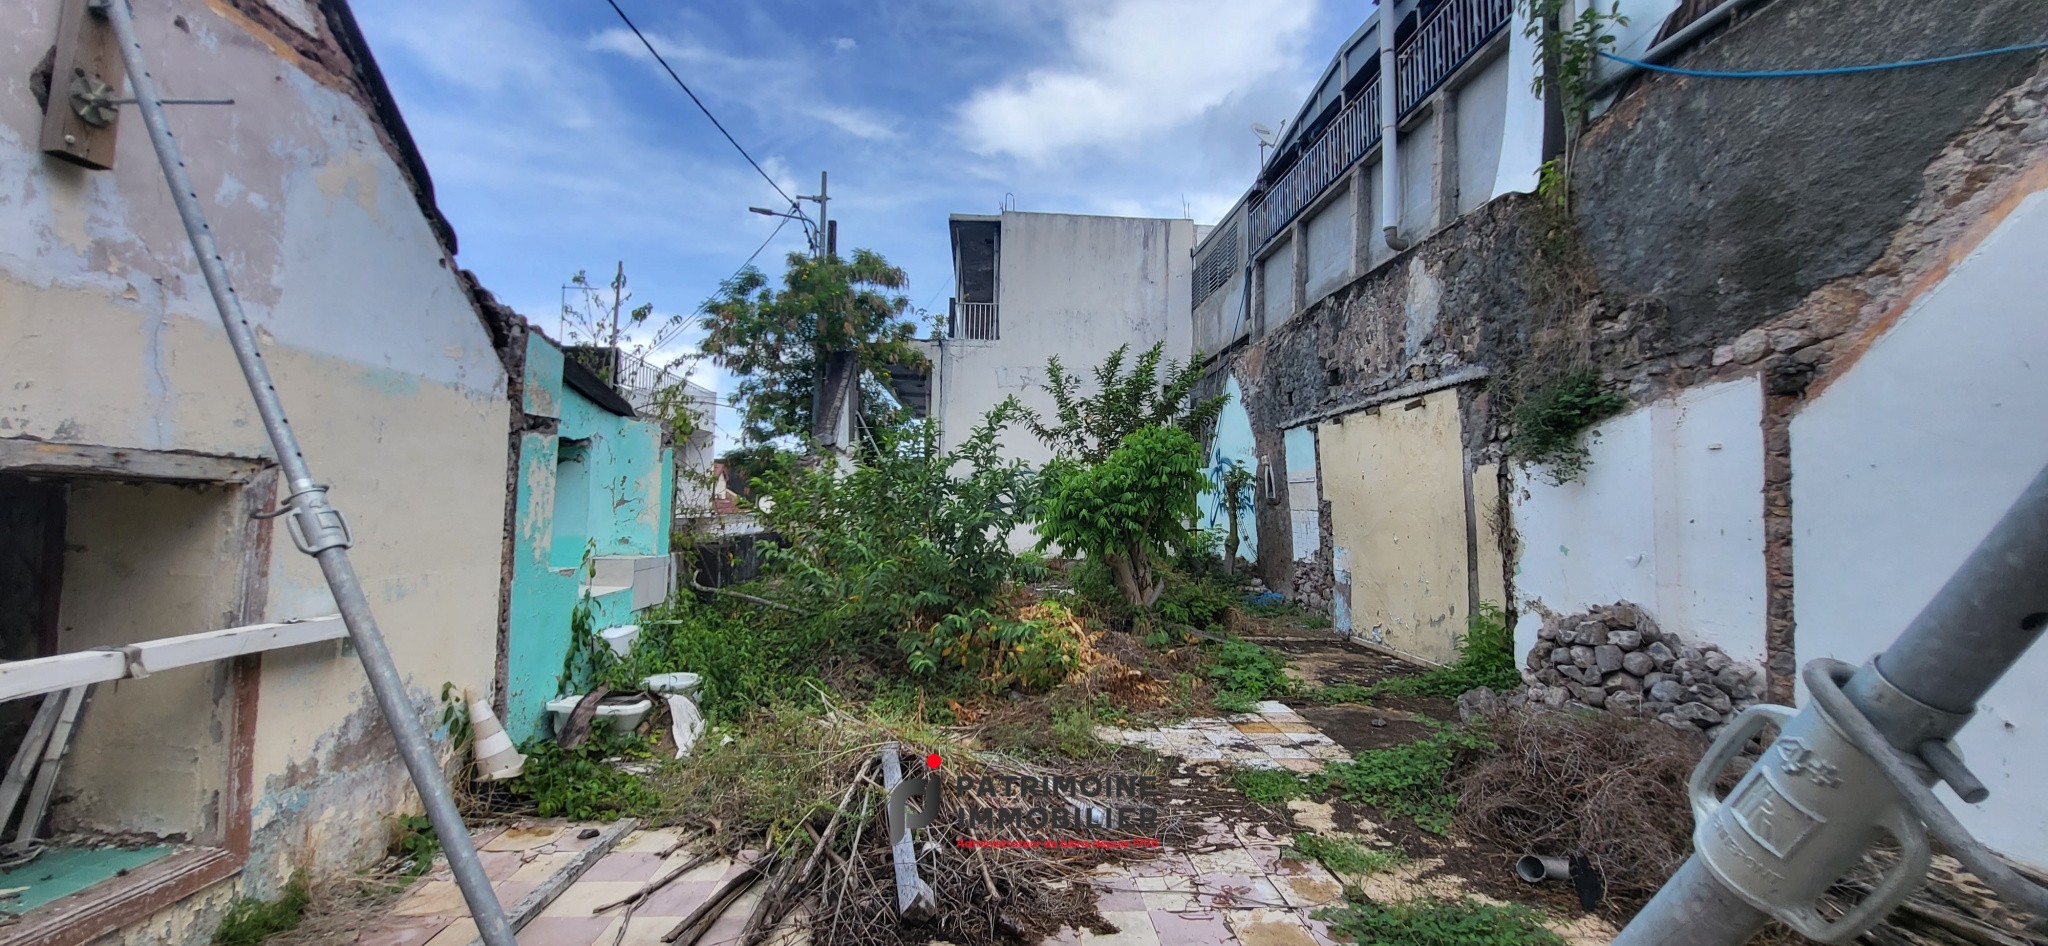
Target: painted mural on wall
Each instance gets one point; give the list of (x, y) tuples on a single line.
[(1232, 443)]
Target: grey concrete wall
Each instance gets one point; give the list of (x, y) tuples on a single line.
[(1482, 104), (1328, 243), (1727, 201), (1275, 286), (1073, 286)]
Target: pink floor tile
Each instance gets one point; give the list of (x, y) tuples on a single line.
[(564, 930), (510, 891), (641, 867), (499, 865), (677, 899), (402, 930), (1192, 929), (572, 837), (1110, 898)]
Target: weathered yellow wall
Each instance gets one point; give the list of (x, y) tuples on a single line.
[(1396, 487), (387, 374)]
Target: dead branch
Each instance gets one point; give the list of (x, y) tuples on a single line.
[(693, 927)]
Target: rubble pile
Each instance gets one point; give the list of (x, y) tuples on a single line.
[(1615, 658)]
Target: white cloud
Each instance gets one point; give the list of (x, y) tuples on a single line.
[(844, 43), (772, 86), (1136, 68)]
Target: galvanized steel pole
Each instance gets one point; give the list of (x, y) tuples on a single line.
[(316, 526), (1857, 760)]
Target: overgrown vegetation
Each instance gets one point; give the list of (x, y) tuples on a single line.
[(1568, 52), (416, 845), (1412, 781), (1245, 673), (1128, 510), (1269, 786), (1235, 488), (1549, 421), (250, 921), (1486, 658), (1346, 857), (1428, 922), (1085, 428), (581, 784)]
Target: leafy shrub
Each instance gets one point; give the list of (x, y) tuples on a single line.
[(1035, 650), (1087, 428), (1245, 673), (885, 550), (1548, 422), (1426, 922), (1198, 603), (1269, 786), (1486, 658), (747, 655), (250, 921), (416, 843), (579, 785), (1129, 509), (1073, 730), (1345, 856), (1411, 781)]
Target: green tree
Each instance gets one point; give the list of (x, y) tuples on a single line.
[(1087, 427), (1236, 488), (1127, 510), (774, 340)]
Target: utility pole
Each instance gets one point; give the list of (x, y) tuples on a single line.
[(835, 388)]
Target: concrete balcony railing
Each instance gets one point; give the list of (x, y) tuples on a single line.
[(976, 320)]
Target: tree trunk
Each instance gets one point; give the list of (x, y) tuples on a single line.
[(1230, 543), (1120, 568)]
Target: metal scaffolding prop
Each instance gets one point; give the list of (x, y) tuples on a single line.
[(315, 525), (1858, 762)]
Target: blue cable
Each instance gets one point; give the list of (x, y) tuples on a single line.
[(1834, 71)]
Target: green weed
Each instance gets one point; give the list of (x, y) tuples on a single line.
[(580, 785), (1427, 922), (1347, 857), (1486, 658), (1245, 673), (1548, 422), (417, 843), (1410, 781), (1269, 786), (250, 921)]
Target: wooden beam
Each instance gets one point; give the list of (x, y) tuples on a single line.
[(25, 678), (87, 56), (914, 897), (77, 459), (529, 906)]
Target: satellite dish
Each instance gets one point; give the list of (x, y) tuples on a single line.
[(1265, 134)]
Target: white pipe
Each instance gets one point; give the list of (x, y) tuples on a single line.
[(1390, 120)]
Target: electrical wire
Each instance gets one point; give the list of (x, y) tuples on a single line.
[(700, 104), (1829, 71)]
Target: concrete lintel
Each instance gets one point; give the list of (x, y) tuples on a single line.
[(1412, 389), (22, 455)]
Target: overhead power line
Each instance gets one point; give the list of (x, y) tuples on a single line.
[(700, 103)]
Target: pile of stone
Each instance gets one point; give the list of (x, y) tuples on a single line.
[(1615, 658)]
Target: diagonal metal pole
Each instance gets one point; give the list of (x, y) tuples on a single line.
[(1856, 762), (316, 526)]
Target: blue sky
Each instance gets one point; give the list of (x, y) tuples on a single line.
[(557, 144)]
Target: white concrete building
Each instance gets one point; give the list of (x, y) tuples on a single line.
[(1029, 286)]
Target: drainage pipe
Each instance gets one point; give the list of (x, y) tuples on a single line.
[(1535, 869), (1670, 47), (316, 526), (1390, 121)]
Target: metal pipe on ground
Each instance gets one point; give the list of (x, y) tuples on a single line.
[(316, 526)]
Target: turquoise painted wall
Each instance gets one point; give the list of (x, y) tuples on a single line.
[(1233, 441), (599, 485)]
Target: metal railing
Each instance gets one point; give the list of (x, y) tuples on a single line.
[(1438, 47), (977, 320), (1452, 34)]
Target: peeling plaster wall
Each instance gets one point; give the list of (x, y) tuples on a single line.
[(1669, 516), (391, 381), (1395, 479), (1902, 464), (621, 503)]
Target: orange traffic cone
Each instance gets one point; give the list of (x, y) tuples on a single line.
[(496, 758)]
